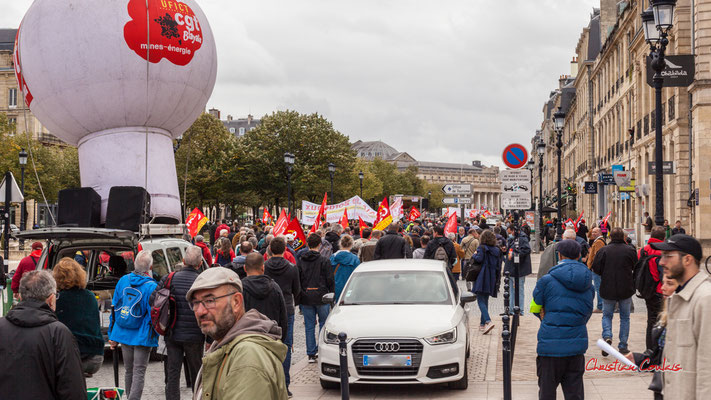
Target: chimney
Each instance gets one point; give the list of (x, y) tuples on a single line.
[(214, 112), (608, 17), (229, 117), (249, 119), (574, 67)]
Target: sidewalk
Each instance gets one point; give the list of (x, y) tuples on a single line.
[(485, 366)]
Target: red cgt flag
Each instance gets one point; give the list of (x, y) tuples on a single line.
[(384, 217), (321, 217), (195, 221), (266, 217), (294, 228), (414, 214), (577, 221), (451, 226), (281, 224)]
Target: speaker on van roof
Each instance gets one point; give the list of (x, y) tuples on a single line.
[(79, 207), (128, 207)]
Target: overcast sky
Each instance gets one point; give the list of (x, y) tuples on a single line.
[(450, 81)]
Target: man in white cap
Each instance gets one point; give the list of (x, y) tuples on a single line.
[(245, 358)]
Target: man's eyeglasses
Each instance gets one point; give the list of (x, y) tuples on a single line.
[(208, 303)]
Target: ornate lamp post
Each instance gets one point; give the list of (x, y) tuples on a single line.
[(657, 20), (289, 160), (23, 161), (559, 123), (332, 171), (361, 176)]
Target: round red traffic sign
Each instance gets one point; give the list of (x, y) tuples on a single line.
[(515, 156)]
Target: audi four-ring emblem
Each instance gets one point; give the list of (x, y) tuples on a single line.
[(387, 347)]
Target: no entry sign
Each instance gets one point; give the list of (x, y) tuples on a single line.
[(515, 156)]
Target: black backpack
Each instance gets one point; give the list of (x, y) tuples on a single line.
[(644, 283)]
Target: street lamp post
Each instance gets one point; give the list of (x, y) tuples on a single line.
[(558, 123), (332, 171), (429, 204), (360, 176), (541, 148), (289, 161), (657, 20), (23, 207)]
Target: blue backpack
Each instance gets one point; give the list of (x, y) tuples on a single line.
[(131, 309)]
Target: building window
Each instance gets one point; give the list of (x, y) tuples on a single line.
[(12, 98), (241, 131), (232, 130)]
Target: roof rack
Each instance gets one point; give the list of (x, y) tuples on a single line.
[(162, 229)]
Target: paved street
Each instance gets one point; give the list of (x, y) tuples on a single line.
[(485, 365)]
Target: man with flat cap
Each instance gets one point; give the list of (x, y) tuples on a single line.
[(563, 300), (688, 319), (245, 358)]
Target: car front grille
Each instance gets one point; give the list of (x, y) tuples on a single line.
[(407, 346)]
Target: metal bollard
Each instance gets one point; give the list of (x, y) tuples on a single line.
[(506, 353), (343, 357), (507, 293)]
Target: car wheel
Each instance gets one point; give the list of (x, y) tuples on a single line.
[(329, 385), (463, 383)]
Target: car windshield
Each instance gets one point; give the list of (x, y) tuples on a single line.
[(397, 287)]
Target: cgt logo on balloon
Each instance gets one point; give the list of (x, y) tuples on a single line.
[(174, 31)]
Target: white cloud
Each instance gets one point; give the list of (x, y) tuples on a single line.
[(444, 81)]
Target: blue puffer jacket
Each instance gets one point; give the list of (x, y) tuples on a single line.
[(566, 295), (144, 335), (343, 264)]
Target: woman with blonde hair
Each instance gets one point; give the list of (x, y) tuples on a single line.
[(78, 310)]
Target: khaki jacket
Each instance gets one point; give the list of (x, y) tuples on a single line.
[(688, 341), (246, 364), (597, 245), (457, 267), (469, 245)]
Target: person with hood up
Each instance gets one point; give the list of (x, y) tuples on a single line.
[(263, 294), (343, 263), (40, 354), (316, 280), (487, 283), (563, 300), (286, 275), (244, 359), (206, 255), (131, 322)]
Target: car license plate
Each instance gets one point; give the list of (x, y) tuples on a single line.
[(387, 360)]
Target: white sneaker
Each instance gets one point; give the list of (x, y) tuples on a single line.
[(488, 327)]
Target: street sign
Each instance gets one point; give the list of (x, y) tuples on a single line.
[(453, 188), (628, 188), (515, 156), (678, 71), (515, 201), (518, 180), (15, 194), (667, 167), (606, 179), (457, 200), (591, 187), (622, 178)]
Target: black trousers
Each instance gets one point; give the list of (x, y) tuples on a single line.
[(565, 371), (174, 364), (654, 307)]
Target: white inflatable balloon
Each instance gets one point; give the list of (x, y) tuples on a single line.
[(120, 79)]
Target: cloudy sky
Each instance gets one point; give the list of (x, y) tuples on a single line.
[(452, 80)]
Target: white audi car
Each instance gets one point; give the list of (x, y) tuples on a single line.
[(404, 323)]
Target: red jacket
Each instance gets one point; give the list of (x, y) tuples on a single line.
[(27, 264), (205, 252), (287, 256), (653, 267), (219, 229)]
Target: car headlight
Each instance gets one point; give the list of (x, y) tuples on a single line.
[(443, 338), (330, 337)]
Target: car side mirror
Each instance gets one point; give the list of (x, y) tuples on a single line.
[(466, 297), (328, 298)]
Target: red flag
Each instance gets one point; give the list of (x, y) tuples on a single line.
[(195, 221), (577, 221), (362, 225), (384, 217), (451, 226), (321, 217), (281, 224), (344, 219), (604, 220), (414, 214), (266, 217), (294, 228)]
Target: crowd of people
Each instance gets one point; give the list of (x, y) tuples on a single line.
[(236, 319)]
